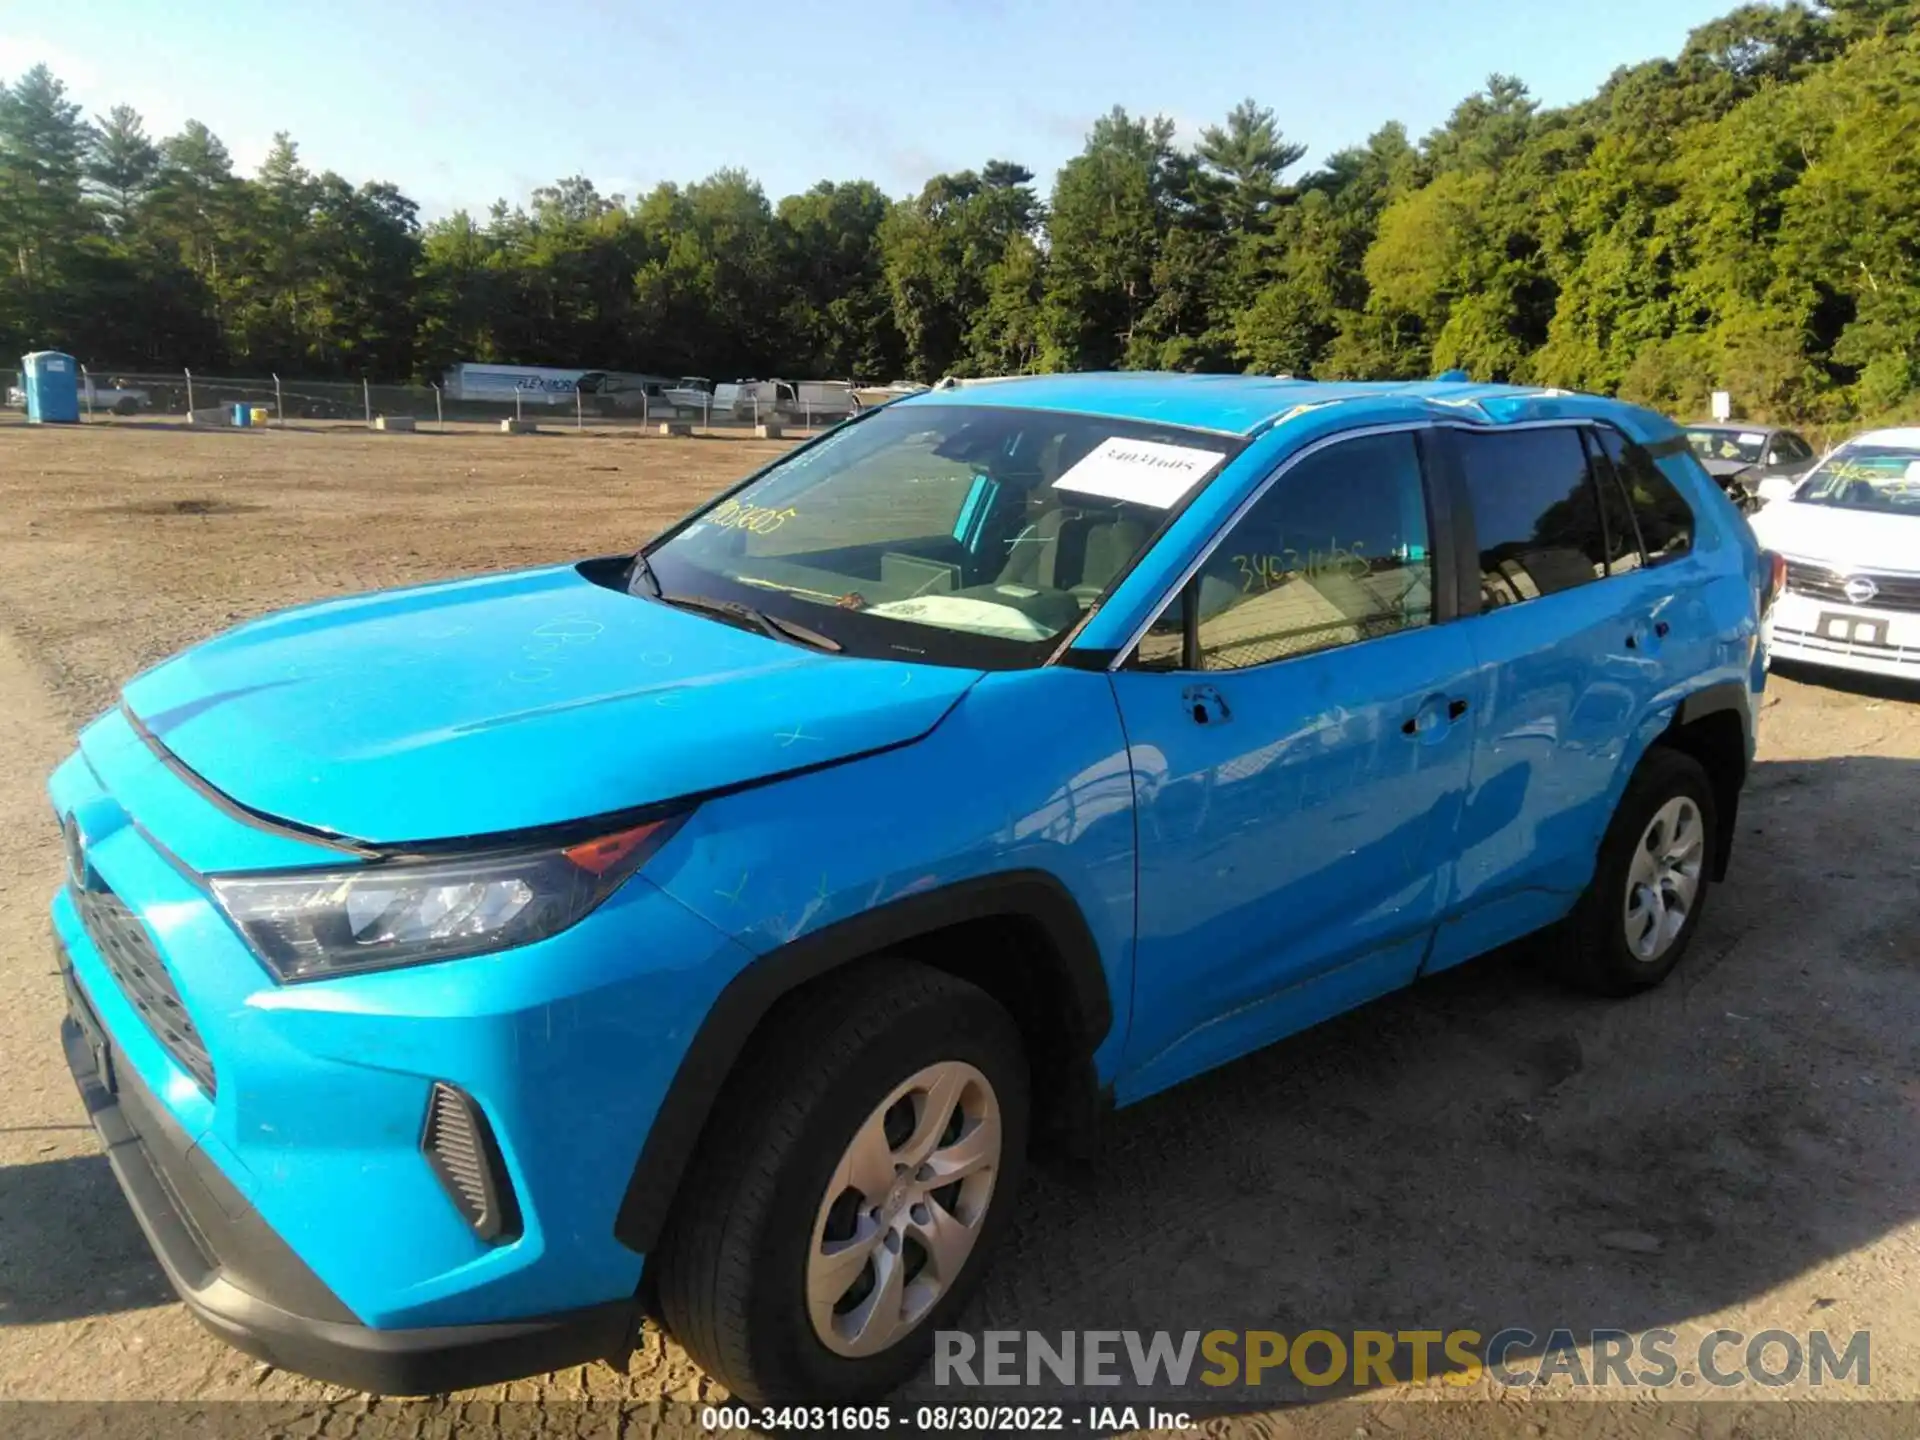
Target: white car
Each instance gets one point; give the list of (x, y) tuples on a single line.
[(1850, 534)]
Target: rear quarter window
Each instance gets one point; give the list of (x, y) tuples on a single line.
[(1666, 519)]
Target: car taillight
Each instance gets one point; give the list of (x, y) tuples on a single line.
[(1775, 581)]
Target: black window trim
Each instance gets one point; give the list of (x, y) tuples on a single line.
[(1443, 541), (1601, 471), (1452, 538), (1468, 565), (1654, 453)]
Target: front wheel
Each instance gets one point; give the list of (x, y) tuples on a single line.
[(1650, 887), (856, 1175)]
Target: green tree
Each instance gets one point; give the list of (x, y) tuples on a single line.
[(43, 219), (1113, 207), (1243, 162), (840, 317), (940, 251), (121, 167)]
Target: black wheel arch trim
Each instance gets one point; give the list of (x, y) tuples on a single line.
[(1032, 895), (1712, 699), (1726, 697)]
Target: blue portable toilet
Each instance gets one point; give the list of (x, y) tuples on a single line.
[(52, 383), (242, 413)]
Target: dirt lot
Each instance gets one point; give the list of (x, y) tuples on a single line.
[(1738, 1150)]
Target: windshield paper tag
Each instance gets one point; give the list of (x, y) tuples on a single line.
[(1753, 439), (1139, 471)]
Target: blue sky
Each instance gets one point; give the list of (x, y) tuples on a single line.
[(461, 103)]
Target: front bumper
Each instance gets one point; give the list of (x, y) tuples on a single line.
[(1813, 631), (246, 1285)]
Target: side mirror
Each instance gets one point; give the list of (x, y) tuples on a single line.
[(1777, 487)]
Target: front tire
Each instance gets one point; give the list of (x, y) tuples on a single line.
[(1649, 890), (855, 1177)]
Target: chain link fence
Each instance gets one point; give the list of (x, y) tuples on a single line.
[(188, 397)]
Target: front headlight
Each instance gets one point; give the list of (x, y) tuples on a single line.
[(313, 924)]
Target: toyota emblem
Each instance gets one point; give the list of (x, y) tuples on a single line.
[(1859, 589)]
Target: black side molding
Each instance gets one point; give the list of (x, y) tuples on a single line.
[(1031, 895)]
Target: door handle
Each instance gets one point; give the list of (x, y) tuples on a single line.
[(1661, 629), (1427, 717), (1205, 705)]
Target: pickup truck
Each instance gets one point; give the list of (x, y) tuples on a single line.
[(119, 400)]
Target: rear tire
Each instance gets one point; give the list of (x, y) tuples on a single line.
[(1649, 890), (856, 1174)]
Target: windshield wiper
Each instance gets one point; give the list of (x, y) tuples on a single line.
[(776, 626), (641, 570)]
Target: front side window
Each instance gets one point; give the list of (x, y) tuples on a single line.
[(1334, 553), (1664, 517), (958, 534), (1535, 513), (1880, 478)]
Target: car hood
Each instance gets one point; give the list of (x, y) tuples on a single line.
[(1840, 539), (1719, 469), (512, 701)]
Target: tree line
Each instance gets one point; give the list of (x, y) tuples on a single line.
[(1745, 216)]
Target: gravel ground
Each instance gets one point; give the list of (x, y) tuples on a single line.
[(1735, 1151)]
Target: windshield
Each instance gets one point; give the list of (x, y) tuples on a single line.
[(958, 534), (1745, 446), (1883, 478)]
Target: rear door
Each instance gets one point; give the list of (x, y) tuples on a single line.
[(1299, 743), (1574, 617)]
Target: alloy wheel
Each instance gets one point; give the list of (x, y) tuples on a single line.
[(904, 1209), (1664, 877)]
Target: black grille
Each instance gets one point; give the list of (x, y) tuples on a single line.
[(1893, 592), (128, 951), (460, 1148)]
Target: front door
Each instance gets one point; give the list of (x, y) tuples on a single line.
[(1300, 747)]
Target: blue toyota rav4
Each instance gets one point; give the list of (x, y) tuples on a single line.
[(456, 973)]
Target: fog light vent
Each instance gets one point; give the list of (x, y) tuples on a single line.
[(460, 1147)]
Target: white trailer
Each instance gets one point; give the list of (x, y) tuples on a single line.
[(604, 392)]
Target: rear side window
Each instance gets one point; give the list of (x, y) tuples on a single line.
[(1536, 515), (1665, 518)]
